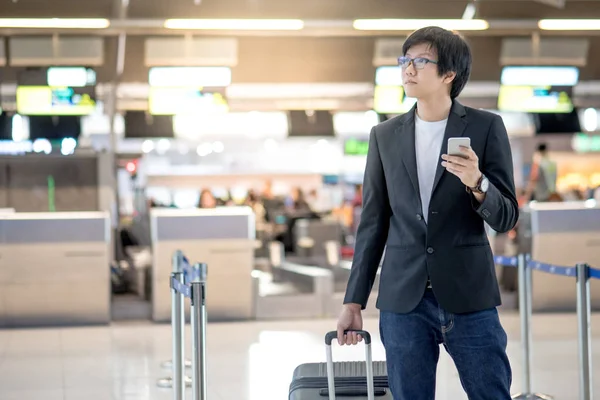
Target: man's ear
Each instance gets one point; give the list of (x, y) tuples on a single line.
[(449, 77)]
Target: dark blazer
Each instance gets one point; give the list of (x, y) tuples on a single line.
[(452, 250)]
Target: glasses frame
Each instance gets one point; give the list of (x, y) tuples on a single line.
[(422, 61)]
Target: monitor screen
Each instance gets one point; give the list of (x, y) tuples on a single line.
[(391, 100), (57, 77), (388, 99), (139, 124), (310, 123), (56, 91), (5, 126), (54, 127), (331, 179), (557, 122), (545, 75), (46, 100), (536, 99)]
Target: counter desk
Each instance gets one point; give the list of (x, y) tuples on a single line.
[(54, 269), (564, 234), (224, 239)]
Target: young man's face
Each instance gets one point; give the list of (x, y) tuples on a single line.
[(421, 79)]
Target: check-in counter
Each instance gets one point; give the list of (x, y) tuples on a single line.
[(564, 234), (54, 269), (223, 238)]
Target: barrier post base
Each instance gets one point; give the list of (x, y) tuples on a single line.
[(168, 382), (532, 396)]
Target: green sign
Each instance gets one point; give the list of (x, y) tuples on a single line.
[(356, 147), (583, 143)]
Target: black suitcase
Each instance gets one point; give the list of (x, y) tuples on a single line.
[(355, 380)]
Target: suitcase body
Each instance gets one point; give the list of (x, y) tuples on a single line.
[(351, 379), (310, 381)]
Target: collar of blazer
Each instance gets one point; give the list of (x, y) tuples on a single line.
[(405, 134)]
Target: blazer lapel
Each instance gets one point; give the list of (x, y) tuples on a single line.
[(406, 137), (457, 122)]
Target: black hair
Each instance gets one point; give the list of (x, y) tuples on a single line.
[(454, 54), (542, 147)]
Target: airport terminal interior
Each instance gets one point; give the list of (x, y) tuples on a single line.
[(181, 187)]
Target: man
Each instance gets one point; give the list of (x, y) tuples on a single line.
[(542, 182), (438, 282)]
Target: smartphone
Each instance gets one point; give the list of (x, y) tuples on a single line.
[(455, 143)]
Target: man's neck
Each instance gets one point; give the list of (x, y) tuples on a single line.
[(434, 109)]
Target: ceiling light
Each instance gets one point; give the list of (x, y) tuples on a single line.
[(56, 23), (414, 24), (218, 147), (147, 146), (236, 24), (590, 120), (470, 11), (204, 149), (569, 24)]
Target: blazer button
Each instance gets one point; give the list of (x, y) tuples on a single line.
[(430, 250), (419, 217)]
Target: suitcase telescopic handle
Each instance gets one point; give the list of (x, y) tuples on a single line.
[(369, 360)]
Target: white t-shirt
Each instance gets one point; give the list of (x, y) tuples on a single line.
[(429, 137)]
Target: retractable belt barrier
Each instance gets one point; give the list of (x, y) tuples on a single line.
[(583, 273), (188, 281)]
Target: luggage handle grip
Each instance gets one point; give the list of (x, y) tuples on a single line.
[(369, 363), (330, 336)]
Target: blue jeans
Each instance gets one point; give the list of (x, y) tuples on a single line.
[(475, 341)]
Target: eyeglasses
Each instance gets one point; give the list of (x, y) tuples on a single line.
[(418, 63)]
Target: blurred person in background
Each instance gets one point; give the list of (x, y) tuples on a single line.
[(226, 200), (357, 207), (253, 202), (438, 282), (317, 202), (297, 201), (207, 200), (543, 177), (267, 193), (358, 193)]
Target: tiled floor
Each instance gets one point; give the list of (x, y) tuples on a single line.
[(246, 361)]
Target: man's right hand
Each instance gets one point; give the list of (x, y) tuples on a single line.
[(350, 319)]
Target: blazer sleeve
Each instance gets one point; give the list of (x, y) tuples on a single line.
[(372, 230), (500, 208)]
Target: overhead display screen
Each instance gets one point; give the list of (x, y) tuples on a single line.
[(185, 100), (526, 75), (388, 99), (56, 91), (46, 100), (391, 100), (188, 90), (535, 99)]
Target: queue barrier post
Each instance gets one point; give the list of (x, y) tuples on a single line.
[(178, 265), (525, 312), (198, 310), (196, 291), (584, 332)]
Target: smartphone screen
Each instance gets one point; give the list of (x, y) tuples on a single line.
[(454, 145)]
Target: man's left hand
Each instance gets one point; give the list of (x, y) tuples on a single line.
[(466, 167)]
